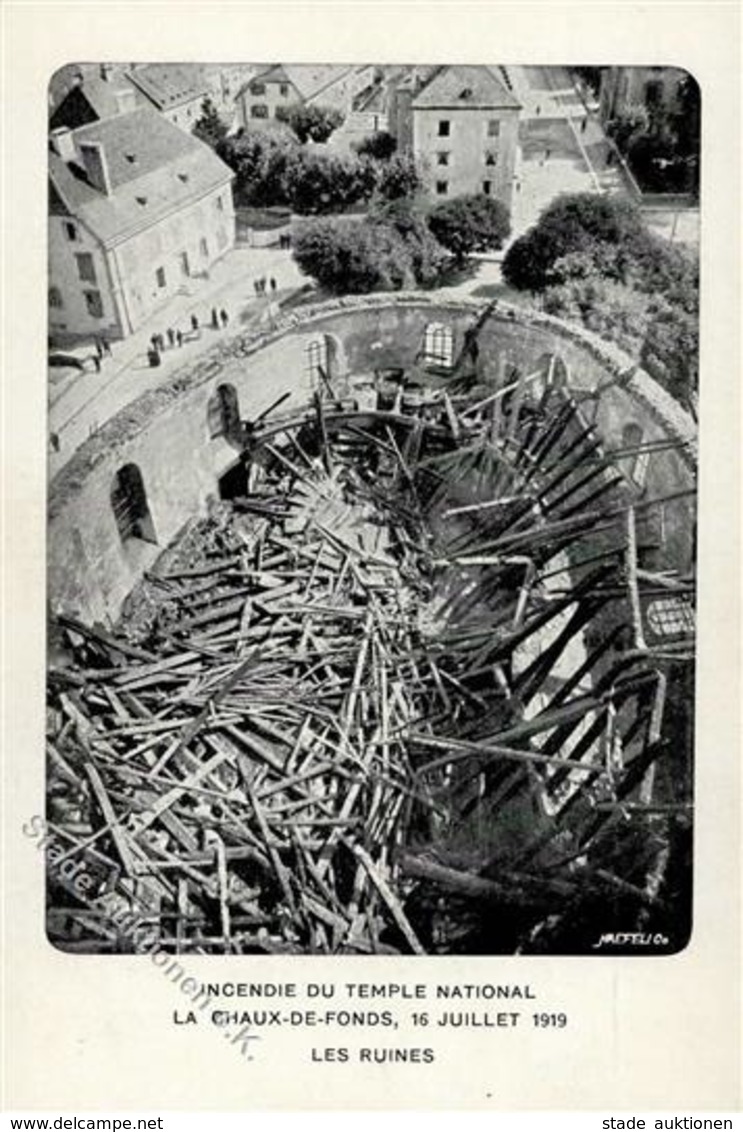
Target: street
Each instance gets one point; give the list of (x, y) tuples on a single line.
[(80, 402)]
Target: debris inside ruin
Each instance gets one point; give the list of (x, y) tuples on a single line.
[(394, 695)]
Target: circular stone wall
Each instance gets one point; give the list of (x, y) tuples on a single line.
[(167, 442)]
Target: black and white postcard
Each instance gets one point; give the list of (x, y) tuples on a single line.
[(373, 712)]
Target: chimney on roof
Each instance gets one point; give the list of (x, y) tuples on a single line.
[(63, 143), (125, 100), (96, 168), (106, 71)]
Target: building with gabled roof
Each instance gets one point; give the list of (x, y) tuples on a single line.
[(461, 123), (136, 207), (289, 84), (90, 99), (177, 90)]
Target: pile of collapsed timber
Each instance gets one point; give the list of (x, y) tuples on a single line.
[(329, 720)]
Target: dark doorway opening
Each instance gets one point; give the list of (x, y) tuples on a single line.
[(233, 484)]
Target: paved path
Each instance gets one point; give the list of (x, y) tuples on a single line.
[(80, 402), (563, 145)]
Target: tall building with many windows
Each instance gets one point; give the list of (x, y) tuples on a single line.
[(136, 206), (462, 126)]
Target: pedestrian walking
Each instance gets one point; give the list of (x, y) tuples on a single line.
[(583, 125), (255, 287), (538, 110), (179, 337), (97, 363), (224, 317), (54, 441), (99, 347), (153, 341), (194, 323), (215, 319), (272, 284), (547, 153), (171, 337), (263, 285), (105, 345)]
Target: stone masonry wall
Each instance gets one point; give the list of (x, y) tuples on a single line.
[(165, 431)]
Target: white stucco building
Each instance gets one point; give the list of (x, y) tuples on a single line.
[(136, 206), (461, 124)]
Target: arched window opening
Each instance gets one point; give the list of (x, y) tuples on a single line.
[(637, 461), (438, 345), (322, 359), (130, 507), (317, 358), (670, 617), (223, 411)]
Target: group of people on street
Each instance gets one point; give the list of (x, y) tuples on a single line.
[(102, 350), (159, 343), (219, 320), (259, 285)]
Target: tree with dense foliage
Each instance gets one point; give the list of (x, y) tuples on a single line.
[(310, 123), (210, 128), (318, 183), (590, 76), (259, 159), (467, 224), (347, 256), (670, 352), (686, 125), (391, 248), (593, 260), (406, 215), (379, 146), (661, 142), (629, 123), (579, 222), (271, 168), (398, 177)]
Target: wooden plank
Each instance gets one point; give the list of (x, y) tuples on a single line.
[(389, 898), (118, 833)]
